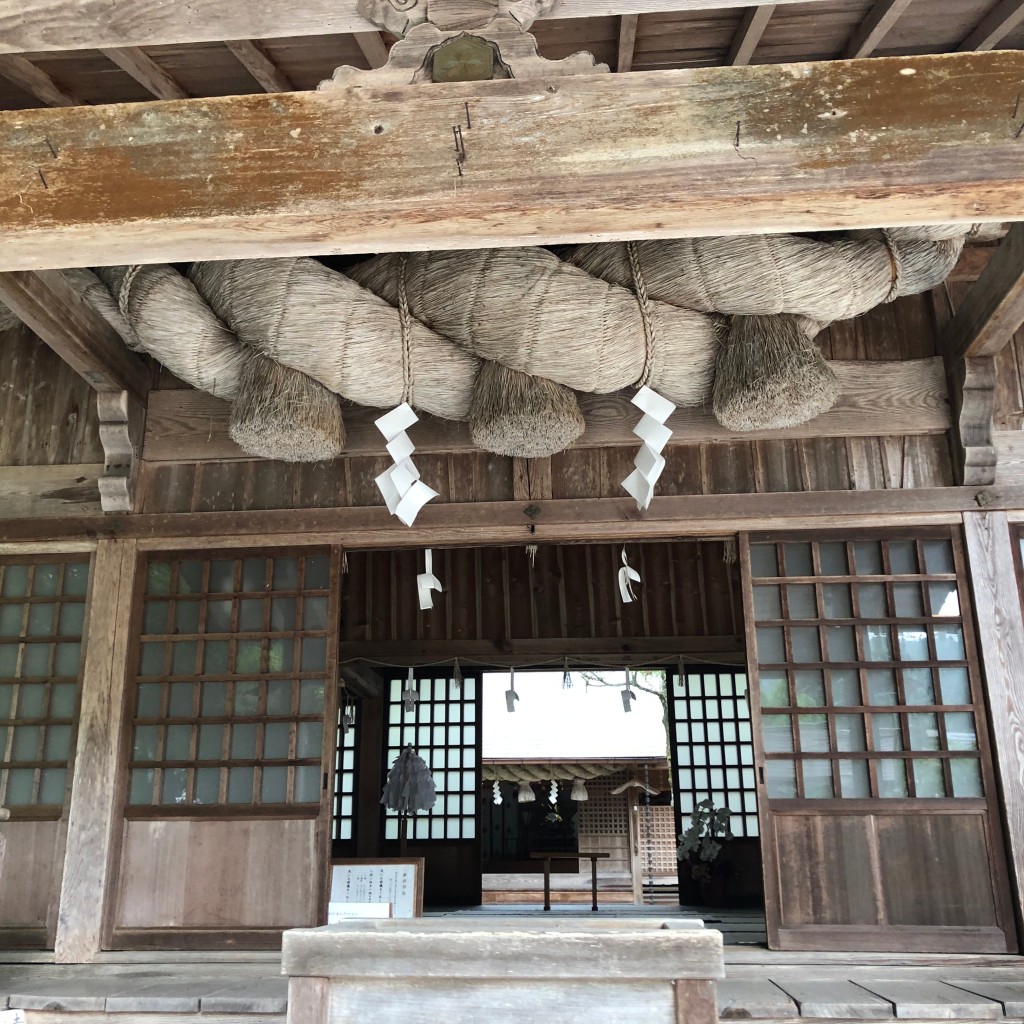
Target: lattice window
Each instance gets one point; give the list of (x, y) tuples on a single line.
[(229, 685), (866, 681), (345, 774), (442, 727), (658, 839), (604, 814), (42, 613), (713, 745)]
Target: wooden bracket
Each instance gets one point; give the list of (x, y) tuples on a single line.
[(399, 17), (122, 425), (972, 384)]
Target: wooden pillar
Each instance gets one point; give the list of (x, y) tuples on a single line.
[(997, 607), (369, 775), (91, 822)]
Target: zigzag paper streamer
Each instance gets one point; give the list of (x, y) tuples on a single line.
[(652, 431), (427, 582), (627, 577), (403, 490)]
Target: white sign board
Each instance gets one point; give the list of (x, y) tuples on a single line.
[(338, 912), (379, 882)]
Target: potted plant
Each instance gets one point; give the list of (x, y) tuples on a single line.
[(698, 852)]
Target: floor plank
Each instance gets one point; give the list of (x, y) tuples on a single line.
[(834, 998), (1009, 993), (934, 999), (754, 998)]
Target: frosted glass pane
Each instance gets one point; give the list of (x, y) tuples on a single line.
[(954, 685), (960, 732), (173, 787), (837, 600), (966, 774), (806, 644), (15, 581), (141, 786), (913, 643), (832, 559), (254, 574), (11, 616), (158, 578), (279, 696), (31, 700), (6, 700), (211, 742), (945, 599), (183, 661), (949, 643), (181, 700), (892, 778), (310, 739), (52, 782), (854, 780), (421, 828), (469, 737), (867, 556), (178, 743), (842, 643), (813, 732), (802, 601), (924, 732), (845, 687), (222, 576), (917, 685), (186, 617), (44, 580), (57, 745), (281, 655), (777, 733), (903, 557), (469, 781), (276, 740), (391, 829), (885, 730), (248, 657), (149, 700), (314, 654), (286, 575), (798, 559), (314, 613), (155, 617), (240, 785), (908, 600), (437, 829), (928, 780), (770, 648), (76, 579), (318, 575), (440, 712), (850, 732), (247, 697), (307, 784), (451, 804), (207, 786), (468, 713), (152, 661), (938, 556), (455, 758), (215, 657), (469, 689), (72, 619), (818, 780), (763, 560), (146, 739), (282, 614), (19, 786), (218, 616), (250, 615), (767, 603), (36, 661), (190, 577), (8, 660), (780, 778), (243, 741), (877, 644), (274, 788), (26, 742), (214, 700)]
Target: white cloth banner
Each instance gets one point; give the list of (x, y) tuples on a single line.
[(403, 490), (652, 431)]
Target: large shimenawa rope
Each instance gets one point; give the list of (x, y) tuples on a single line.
[(600, 318)]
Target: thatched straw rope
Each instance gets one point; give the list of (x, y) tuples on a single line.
[(644, 302)]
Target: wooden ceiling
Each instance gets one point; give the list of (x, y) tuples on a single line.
[(705, 34)]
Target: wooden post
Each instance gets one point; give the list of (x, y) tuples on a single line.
[(91, 823), (997, 606)]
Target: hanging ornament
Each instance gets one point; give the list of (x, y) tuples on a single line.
[(410, 695), (652, 431), (344, 563), (427, 582), (553, 795), (497, 791), (410, 786), (457, 675), (510, 694), (566, 676), (627, 695), (531, 554), (627, 577), (403, 490), (525, 793), (579, 791)]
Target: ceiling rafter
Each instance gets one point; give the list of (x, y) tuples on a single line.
[(995, 26), (875, 27), (36, 82), (754, 22), (146, 72), (254, 58), (627, 42), (372, 45)]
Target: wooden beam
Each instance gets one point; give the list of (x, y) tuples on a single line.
[(907, 397), (43, 491), (995, 26), (33, 25), (875, 27), (92, 821), (74, 330), (372, 45), (755, 21), (254, 59), (146, 72), (997, 607), (470, 524), (627, 42), (360, 679), (993, 310), (372, 169), (27, 77)]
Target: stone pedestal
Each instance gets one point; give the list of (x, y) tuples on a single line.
[(463, 971)]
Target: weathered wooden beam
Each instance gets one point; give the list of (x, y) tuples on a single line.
[(470, 524), (26, 76), (907, 397), (774, 148), (755, 21), (32, 25), (49, 305), (993, 310), (373, 48), (45, 491), (995, 26), (146, 72), (997, 607), (627, 42), (875, 27), (359, 679), (254, 59)]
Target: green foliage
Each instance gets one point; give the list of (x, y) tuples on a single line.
[(702, 841)]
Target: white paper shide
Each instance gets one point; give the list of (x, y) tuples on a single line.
[(652, 431), (403, 490)]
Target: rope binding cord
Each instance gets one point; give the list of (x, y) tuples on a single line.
[(405, 327), (644, 302)]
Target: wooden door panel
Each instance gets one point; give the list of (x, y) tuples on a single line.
[(29, 881)]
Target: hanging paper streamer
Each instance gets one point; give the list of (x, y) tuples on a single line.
[(652, 431), (403, 490), (553, 797), (627, 577), (510, 694), (526, 794), (628, 696), (410, 786), (427, 582), (497, 792), (579, 791), (410, 695), (457, 675), (566, 677)]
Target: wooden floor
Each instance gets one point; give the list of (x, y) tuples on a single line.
[(246, 988)]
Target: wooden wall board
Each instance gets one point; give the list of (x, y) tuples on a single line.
[(820, 35), (30, 883), (38, 491)]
